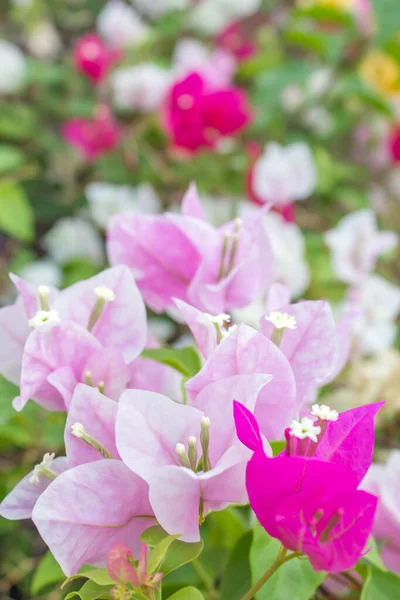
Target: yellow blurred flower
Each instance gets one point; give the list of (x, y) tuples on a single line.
[(381, 71), (344, 5)]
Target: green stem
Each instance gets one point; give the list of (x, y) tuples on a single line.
[(280, 560), (205, 579)]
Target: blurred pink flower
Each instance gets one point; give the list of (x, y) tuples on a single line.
[(94, 58), (197, 117), (310, 505), (121, 568), (394, 144), (95, 136)]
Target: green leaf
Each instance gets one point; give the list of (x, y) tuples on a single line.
[(10, 158), (373, 557), (277, 447), (236, 580), (47, 573), (16, 215), (387, 16), (157, 554), (178, 553), (381, 585), (188, 593), (295, 579), (99, 576), (185, 360), (90, 591), (17, 121)]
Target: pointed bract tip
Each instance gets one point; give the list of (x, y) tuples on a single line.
[(247, 427)]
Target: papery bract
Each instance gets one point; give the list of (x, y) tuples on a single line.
[(93, 58), (92, 137), (89, 508)]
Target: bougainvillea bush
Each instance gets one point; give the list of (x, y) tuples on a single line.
[(200, 300)]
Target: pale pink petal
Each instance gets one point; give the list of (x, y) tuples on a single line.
[(14, 331), (108, 366), (47, 349), (97, 414), (201, 326), (175, 498), (20, 501), (90, 507), (191, 205), (278, 295), (123, 320), (226, 484), (64, 381), (149, 426)]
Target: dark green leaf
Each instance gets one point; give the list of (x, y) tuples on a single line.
[(185, 360), (236, 579), (16, 215), (178, 553)]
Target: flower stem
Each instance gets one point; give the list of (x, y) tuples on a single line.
[(281, 558)]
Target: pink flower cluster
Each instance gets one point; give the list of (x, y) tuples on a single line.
[(135, 457)]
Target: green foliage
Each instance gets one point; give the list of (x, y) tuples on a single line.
[(295, 579), (47, 574), (236, 579), (10, 158), (179, 553), (16, 216), (277, 447), (380, 585), (188, 593), (387, 16), (90, 591), (185, 360)]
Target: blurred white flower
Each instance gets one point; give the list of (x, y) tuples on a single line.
[(156, 8), (42, 272), (218, 67), (378, 302), (44, 41), (319, 82), (212, 16), (142, 87), (120, 25), (13, 68), (318, 119), (356, 244), (74, 238), (292, 98), (284, 174), (288, 248), (107, 199), (219, 210)]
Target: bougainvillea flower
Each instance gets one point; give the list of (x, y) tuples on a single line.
[(245, 351), (312, 507), (85, 510), (202, 325), (121, 568), (96, 414), (196, 117), (191, 459), (50, 332), (184, 257), (95, 136), (356, 244), (384, 482), (394, 144), (94, 58), (235, 39), (312, 347), (19, 503)]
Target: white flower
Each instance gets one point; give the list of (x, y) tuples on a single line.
[(288, 247), (356, 245), (106, 200), (379, 304), (44, 317), (283, 175), (318, 119), (156, 8), (305, 429), (282, 320), (44, 41), (319, 82), (217, 67), (104, 293), (13, 68), (120, 25), (292, 98), (42, 271), (323, 412), (142, 87), (212, 16), (74, 238)]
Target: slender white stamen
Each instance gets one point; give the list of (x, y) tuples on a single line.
[(43, 290), (323, 412), (183, 457), (43, 468), (180, 449), (78, 430), (104, 293), (282, 320), (205, 442), (305, 429), (43, 317)]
